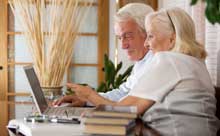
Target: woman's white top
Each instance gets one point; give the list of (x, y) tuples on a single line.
[(184, 96)]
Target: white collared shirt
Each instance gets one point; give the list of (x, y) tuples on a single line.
[(124, 88)]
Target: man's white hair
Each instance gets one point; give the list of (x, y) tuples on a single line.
[(134, 11)]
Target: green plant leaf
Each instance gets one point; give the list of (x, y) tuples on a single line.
[(102, 87), (112, 72), (210, 13), (118, 81), (127, 72), (112, 81), (118, 67), (106, 68), (193, 2), (68, 91), (212, 10)]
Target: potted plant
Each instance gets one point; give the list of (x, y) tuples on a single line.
[(112, 77), (212, 11), (50, 29)]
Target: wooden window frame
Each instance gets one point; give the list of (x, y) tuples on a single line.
[(103, 41), (4, 71)]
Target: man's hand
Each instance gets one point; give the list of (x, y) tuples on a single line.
[(83, 92), (74, 100)]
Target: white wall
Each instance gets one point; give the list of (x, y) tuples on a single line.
[(113, 44), (112, 11)]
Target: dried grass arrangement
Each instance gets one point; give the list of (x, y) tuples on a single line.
[(50, 29)]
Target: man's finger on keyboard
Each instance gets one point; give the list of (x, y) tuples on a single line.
[(57, 102), (54, 102)]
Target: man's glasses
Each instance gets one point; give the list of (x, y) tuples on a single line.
[(126, 36)]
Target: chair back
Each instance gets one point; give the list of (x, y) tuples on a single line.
[(217, 95)]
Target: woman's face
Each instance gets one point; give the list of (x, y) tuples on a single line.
[(156, 39)]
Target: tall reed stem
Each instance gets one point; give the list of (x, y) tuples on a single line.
[(50, 28)]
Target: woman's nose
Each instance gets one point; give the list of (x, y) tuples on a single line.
[(146, 45)]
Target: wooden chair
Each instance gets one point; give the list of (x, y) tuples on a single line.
[(217, 95)]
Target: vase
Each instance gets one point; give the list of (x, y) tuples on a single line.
[(52, 92)]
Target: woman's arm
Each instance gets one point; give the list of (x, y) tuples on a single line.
[(141, 104), (88, 94)]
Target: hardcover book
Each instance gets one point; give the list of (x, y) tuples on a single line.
[(114, 112)]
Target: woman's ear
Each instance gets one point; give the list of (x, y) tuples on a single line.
[(172, 40)]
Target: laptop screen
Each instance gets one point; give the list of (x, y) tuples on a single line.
[(36, 91)]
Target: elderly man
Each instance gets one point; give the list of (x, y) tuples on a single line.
[(129, 28)]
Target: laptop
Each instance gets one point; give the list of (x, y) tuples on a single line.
[(41, 103)]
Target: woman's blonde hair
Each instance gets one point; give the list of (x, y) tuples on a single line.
[(176, 20)]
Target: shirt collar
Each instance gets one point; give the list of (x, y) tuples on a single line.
[(147, 56)]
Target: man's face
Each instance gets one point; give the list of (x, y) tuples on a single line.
[(131, 39)]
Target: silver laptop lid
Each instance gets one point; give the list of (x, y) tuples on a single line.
[(36, 91)]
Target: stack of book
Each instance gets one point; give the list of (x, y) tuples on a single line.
[(110, 120)]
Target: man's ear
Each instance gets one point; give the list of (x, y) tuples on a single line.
[(144, 34)]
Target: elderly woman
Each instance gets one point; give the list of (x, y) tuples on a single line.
[(175, 94)]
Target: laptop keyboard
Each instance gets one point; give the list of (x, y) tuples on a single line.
[(67, 112)]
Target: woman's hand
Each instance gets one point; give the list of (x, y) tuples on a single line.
[(81, 91)]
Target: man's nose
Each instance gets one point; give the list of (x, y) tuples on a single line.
[(124, 43)]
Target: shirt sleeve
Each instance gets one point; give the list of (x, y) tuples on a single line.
[(118, 93), (158, 80), (114, 95)]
